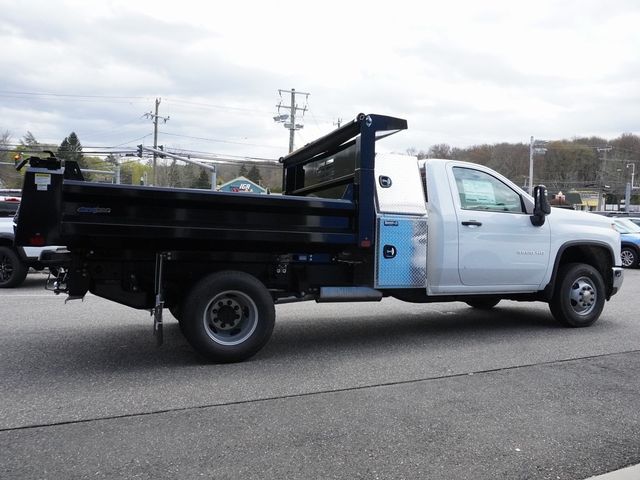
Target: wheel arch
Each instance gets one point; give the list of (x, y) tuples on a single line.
[(178, 289), (634, 246), (597, 254), (6, 239)]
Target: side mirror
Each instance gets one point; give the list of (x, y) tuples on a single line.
[(541, 207)]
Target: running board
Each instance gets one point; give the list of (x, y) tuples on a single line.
[(349, 294)]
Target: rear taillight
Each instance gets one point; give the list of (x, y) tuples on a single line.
[(37, 240)]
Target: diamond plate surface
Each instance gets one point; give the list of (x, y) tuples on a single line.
[(408, 268)]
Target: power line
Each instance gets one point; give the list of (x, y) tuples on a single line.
[(68, 95), (215, 106), (133, 140), (218, 140)]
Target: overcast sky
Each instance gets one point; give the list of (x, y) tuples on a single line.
[(461, 72)]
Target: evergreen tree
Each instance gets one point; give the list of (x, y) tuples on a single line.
[(243, 172), (71, 149), (203, 180), (254, 175)]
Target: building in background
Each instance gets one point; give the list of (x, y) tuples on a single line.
[(242, 184)]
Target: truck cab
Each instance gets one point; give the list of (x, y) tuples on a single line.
[(477, 230)]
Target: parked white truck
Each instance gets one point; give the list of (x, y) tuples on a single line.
[(351, 225), (15, 261)]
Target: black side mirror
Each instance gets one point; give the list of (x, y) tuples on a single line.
[(541, 207)]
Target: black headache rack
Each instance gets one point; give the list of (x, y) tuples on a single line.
[(341, 165), (328, 204)]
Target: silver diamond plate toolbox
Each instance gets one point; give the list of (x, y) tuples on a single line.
[(401, 255)]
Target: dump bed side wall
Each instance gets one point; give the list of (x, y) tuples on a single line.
[(77, 213)]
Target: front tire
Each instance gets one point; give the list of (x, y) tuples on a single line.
[(579, 295), (12, 270), (228, 316), (629, 257)]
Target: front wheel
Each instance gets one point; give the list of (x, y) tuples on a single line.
[(228, 316), (579, 295), (12, 270), (629, 257)]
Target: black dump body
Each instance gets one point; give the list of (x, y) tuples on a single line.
[(321, 231)]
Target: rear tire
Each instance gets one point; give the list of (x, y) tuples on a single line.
[(579, 295), (228, 316), (12, 270)]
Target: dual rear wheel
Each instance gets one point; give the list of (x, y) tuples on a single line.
[(227, 317)]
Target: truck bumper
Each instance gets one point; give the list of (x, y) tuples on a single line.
[(55, 257), (617, 276)]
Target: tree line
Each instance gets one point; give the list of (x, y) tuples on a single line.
[(582, 163), (170, 173), (585, 163)]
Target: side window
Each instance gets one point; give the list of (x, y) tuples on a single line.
[(480, 191)]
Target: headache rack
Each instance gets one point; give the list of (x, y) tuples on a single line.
[(341, 165)]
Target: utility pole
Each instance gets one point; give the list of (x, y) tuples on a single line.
[(154, 117), (290, 119)]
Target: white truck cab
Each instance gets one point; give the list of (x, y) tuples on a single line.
[(474, 232)]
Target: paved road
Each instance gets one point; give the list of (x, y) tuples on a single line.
[(389, 390)]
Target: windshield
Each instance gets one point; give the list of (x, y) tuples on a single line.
[(624, 225)]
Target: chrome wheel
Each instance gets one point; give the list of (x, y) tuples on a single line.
[(583, 296), (227, 316), (579, 295)]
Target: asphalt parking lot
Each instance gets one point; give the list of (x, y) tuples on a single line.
[(374, 390)]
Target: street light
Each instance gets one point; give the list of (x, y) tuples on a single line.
[(630, 186), (633, 173)]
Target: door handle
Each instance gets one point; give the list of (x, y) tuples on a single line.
[(472, 223)]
